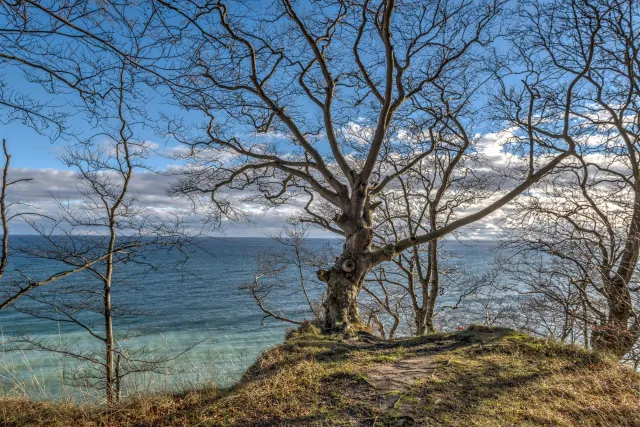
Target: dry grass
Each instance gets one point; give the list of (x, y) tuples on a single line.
[(477, 377)]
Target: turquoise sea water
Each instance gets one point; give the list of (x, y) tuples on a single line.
[(200, 302)]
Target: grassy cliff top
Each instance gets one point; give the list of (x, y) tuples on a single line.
[(476, 377)]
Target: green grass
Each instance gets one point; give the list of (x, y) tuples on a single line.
[(477, 377)]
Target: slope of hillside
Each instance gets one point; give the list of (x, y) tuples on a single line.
[(477, 377)]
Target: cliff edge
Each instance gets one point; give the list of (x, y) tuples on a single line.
[(476, 377)]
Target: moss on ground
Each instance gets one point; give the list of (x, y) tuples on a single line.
[(477, 377)]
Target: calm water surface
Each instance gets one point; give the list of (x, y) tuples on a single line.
[(201, 302)]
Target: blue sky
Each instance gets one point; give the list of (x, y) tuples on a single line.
[(36, 155), (29, 149)]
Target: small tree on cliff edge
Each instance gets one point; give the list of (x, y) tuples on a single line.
[(587, 219), (306, 102)]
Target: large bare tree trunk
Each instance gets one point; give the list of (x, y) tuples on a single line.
[(614, 338), (622, 329), (346, 278), (340, 307), (620, 332)]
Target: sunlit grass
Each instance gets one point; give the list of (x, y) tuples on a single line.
[(476, 377)]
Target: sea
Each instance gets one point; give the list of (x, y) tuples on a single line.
[(193, 316)]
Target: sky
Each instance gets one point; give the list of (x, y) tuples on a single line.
[(37, 157)]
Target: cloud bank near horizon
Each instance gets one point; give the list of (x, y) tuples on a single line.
[(151, 189)]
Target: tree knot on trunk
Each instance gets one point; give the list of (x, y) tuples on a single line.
[(348, 265)]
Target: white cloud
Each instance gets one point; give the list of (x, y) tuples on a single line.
[(150, 188)]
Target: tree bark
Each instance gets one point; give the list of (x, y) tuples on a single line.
[(430, 285), (346, 279), (424, 320), (420, 321), (614, 338), (622, 328), (433, 285), (344, 282), (620, 332)]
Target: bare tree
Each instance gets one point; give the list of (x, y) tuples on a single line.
[(581, 64), (11, 209), (430, 195), (72, 55), (519, 291), (306, 103), (382, 299), (111, 228), (284, 271)]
